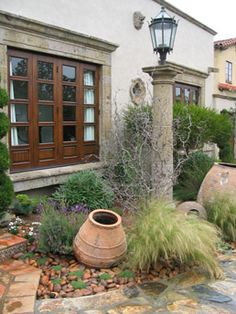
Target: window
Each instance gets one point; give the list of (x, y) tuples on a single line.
[(186, 94), (228, 72), (53, 110)]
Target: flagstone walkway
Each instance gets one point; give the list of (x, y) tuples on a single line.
[(18, 281), (189, 293)]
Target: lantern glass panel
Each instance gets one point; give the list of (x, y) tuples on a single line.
[(174, 28), (159, 35), (153, 35), (167, 34)]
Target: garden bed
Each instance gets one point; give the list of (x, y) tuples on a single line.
[(63, 276)]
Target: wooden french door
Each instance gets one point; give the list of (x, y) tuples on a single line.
[(53, 111)]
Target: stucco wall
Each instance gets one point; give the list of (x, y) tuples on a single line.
[(220, 104), (221, 56), (224, 99), (112, 20)]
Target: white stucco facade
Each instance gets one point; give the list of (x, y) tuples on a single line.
[(101, 32), (113, 21)]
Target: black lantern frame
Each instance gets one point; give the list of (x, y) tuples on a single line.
[(163, 30)]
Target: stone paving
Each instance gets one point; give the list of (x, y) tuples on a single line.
[(189, 293), (18, 281), (18, 286)]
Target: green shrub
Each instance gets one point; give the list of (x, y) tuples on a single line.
[(126, 274), (4, 98), (79, 273), (161, 232), (225, 144), (87, 188), (58, 230), (41, 261), (6, 192), (226, 152), (105, 276), (191, 176), (6, 186), (196, 125), (56, 281), (117, 210), (79, 284), (57, 267), (4, 159), (222, 212), (28, 255), (4, 124), (23, 205)]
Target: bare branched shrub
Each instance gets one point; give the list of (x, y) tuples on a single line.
[(142, 159), (128, 154), (130, 166)]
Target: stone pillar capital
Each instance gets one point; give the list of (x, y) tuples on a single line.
[(163, 74)]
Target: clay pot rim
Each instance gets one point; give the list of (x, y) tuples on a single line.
[(98, 224)]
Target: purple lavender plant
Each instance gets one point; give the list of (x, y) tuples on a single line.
[(62, 207), (79, 209)]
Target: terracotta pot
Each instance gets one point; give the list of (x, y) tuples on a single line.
[(101, 240), (220, 178), (194, 208)]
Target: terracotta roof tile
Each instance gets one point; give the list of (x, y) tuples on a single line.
[(226, 86), (225, 43)]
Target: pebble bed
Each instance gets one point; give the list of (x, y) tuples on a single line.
[(65, 277)]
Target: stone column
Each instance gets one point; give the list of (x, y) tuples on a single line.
[(163, 79)]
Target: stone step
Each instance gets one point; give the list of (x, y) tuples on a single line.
[(10, 245)]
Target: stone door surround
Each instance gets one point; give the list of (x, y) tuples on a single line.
[(24, 33)]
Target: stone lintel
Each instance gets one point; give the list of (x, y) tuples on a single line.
[(17, 22)]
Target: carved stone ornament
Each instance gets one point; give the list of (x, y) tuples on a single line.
[(138, 19), (137, 91)]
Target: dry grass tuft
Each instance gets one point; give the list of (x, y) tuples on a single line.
[(160, 232)]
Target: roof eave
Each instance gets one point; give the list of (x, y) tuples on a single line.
[(186, 16)]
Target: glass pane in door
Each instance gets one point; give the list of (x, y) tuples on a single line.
[(186, 95), (45, 134), (18, 66), (69, 133), (89, 96), (88, 78), (69, 93), (19, 135), (89, 133), (45, 70), (45, 91), (69, 113), (19, 113), (19, 89), (68, 73), (89, 115), (45, 113)]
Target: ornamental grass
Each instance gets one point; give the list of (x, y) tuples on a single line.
[(160, 233), (222, 212)]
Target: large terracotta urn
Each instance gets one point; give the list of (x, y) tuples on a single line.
[(101, 240), (221, 178)]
